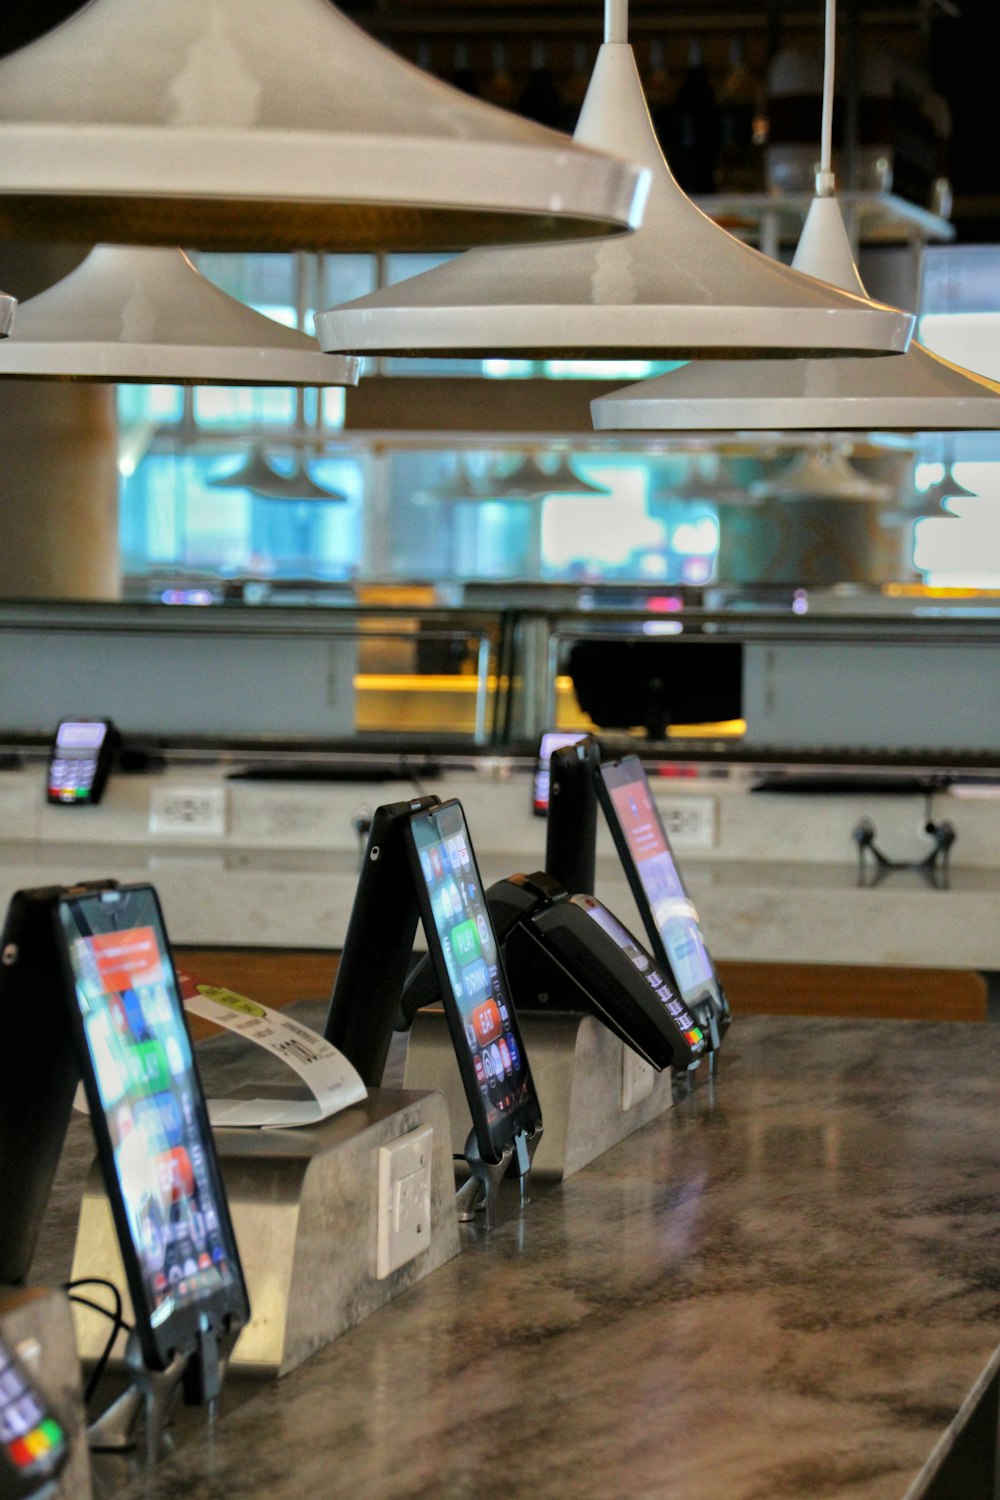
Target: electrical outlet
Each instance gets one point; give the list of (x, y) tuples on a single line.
[(404, 1200), (637, 1078), (190, 810), (689, 821)]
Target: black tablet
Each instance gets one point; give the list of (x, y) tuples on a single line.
[(472, 983), (668, 914), (39, 1072), (551, 740), (150, 1124), (378, 945)]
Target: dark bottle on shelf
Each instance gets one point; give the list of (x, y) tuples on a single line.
[(742, 127), (463, 75), (499, 87), (575, 87), (694, 133), (539, 100), (658, 92)]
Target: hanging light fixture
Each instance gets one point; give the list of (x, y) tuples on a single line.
[(913, 393), (680, 286), (7, 306), (129, 313), (459, 487), (259, 474), (275, 125), (946, 488), (819, 474), (528, 480)]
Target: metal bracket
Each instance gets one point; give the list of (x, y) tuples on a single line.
[(148, 1395), (935, 866), (481, 1192)]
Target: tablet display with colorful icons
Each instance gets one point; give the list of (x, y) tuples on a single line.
[(149, 1118), (473, 984)]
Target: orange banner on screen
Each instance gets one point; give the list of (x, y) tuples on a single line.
[(125, 959), (486, 1020)]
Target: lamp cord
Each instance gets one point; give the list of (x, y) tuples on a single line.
[(616, 20), (824, 177)]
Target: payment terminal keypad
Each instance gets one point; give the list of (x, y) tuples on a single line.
[(31, 1440)]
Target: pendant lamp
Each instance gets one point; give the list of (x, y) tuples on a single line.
[(130, 313), (946, 488), (7, 306), (819, 474), (459, 487), (258, 474), (916, 392), (275, 125), (529, 481), (679, 286)]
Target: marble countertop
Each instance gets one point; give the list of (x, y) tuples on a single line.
[(785, 1287)]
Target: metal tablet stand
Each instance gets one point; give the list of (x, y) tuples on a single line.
[(481, 1192), (149, 1396), (201, 1371), (935, 866)]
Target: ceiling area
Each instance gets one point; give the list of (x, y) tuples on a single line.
[(475, 41)]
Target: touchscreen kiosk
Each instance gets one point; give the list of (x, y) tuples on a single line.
[(151, 1127), (377, 946), (472, 984), (571, 833), (667, 911), (81, 756), (419, 866), (33, 1444), (551, 740)]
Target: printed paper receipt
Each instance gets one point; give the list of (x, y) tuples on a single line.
[(333, 1082)]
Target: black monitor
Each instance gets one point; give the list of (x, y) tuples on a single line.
[(654, 683)]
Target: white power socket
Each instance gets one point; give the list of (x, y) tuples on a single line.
[(189, 810), (689, 821), (404, 1199), (637, 1079)]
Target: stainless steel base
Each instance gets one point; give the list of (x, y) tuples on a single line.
[(304, 1204), (593, 1090), (36, 1326)]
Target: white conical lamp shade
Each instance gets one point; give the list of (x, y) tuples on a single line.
[(129, 313), (819, 474), (679, 286), (274, 124), (529, 481), (7, 307), (916, 392), (946, 488), (459, 487), (258, 474)]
